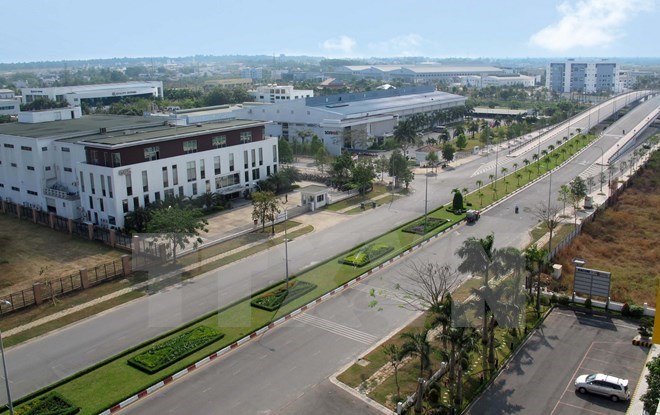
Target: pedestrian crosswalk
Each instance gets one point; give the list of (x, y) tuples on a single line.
[(336, 328)]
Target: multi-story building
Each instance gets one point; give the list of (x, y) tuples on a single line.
[(348, 120), (106, 93), (477, 81), (99, 168), (275, 93), (9, 104), (589, 77)]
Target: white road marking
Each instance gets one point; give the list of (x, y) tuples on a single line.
[(336, 328)]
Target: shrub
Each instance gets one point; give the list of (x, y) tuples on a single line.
[(434, 395), (366, 254), (587, 303), (431, 223), (49, 404), (276, 298), (625, 309), (636, 311), (564, 300), (170, 351), (553, 299)]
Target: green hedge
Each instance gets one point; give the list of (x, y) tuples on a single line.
[(366, 254), (431, 223), (50, 404), (275, 299), (164, 354)]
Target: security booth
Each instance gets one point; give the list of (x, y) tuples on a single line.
[(314, 196)]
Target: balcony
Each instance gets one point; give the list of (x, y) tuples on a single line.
[(61, 194)]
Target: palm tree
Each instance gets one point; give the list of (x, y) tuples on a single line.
[(466, 341), (473, 127), (590, 182), (491, 177), (564, 195), (518, 176), (504, 170), (479, 183), (515, 166), (481, 199), (395, 358), (417, 344), (558, 142), (535, 259), (551, 148), (535, 157), (563, 152), (506, 186)]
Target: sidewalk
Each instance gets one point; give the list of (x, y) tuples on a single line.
[(636, 406)]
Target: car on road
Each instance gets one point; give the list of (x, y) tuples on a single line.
[(614, 388)]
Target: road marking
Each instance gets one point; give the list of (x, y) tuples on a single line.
[(582, 409), (572, 378), (336, 328)]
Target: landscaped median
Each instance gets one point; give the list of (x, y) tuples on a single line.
[(116, 380), (114, 383)]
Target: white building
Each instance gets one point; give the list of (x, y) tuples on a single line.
[(478, 81), (9, 104), (348, 120), (588, 77), (276, 93), (75, 95), (98, 168)]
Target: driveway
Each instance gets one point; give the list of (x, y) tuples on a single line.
[(539, 379)]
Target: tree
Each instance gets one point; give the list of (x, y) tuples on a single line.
[(492, 180), (461, 142), (590, 182), (382, 166), (399, 169), (602, 179), (178, 226), (208, 200), (432, 159), (284, 151), (340, 170), (265, 206), (651, 398), (457, 201), (578, 187), (315, 145), (362, 175), (321, 158), (564, 196), (417, 344), (137, 219), (535, 259), (479, 183), (404, 134), (466, 340), (448, 152), (549, 218), (394, 357), (518, 177)]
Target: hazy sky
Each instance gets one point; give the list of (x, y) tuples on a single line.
[(82, 29)]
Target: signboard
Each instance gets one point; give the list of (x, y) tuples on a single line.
[(124, 172), (592, 282)]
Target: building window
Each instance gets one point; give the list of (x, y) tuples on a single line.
[(231, 161), (192, 171), (30, 192), (274, 153), (66, 150), (91, 202), (91, 183), (247, 176), (253, 157), (30, 168), (68, 169), (245, 159), (116, 160), (175, 176), (261, 156), (102, 185), (181, 191), (246, 137), (145, 181), (146, 200), (165, 180), (26, 148), (194, 189), (157, 196), (216, 165), (16, 189), (219, 141), (124, 205), (82, 182), (151, 153), (190, 146), (267, 171), (202, 169), (9, 145), (44, 148), (101, 204), (110, 186), (169, 194), (129, 185), (136, 202), (47, 168), (255, 174)]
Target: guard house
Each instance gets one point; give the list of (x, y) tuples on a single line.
[(314, 196)]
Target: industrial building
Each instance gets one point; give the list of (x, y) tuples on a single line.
[(479, 81), (98, 168), (276, 93), (94, 94), (579, 76), (423, 73)]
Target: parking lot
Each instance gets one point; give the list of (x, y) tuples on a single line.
[(539, 379)]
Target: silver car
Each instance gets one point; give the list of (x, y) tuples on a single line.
[(614, 388)]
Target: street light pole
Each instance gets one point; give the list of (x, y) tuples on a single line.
[(602, 153), (286, 250), (4, 368)]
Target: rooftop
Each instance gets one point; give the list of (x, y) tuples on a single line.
[(96, 87), (425, 68)]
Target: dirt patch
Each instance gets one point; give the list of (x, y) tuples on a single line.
[(623, 240), (30, 252)]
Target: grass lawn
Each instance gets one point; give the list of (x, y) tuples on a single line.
[(27, 249), (379, 189)]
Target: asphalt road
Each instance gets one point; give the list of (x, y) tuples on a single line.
[(49, 358), (539, 379)]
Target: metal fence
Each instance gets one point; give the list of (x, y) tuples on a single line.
[(105, 272)]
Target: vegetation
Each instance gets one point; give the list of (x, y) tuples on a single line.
[(366, 254), (266, 206), (164, 354), (50, 404), (273, 300), (177, 226), (426, 225), (651, 398)]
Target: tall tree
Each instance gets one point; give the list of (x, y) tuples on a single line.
[(405, 134), (549, 218), (535, 259), (321, 158), (284, 151), (416, 344), (399, 169), (177, 226), (362, 175), (448, 152), (265, 207)]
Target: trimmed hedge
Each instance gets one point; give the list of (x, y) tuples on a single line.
[(431, 223), (366, 254), (164, 354), (275, 299), (50, 404)]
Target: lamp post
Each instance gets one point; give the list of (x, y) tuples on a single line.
[(4, 368), (286, 250), (602, 153)]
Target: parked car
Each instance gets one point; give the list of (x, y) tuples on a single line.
[(614, 388)]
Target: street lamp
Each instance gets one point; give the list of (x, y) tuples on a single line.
[(286, 250), (4, 367), (602, 153)]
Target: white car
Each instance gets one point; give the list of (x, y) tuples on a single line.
[(614, 388)]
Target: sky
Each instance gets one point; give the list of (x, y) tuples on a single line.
[(39, 30)]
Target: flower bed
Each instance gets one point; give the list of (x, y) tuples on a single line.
[(50, 404), (431, 223), (275, 299), (164, 354), (366, 254)]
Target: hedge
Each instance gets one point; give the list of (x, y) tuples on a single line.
[(431, 223), (50, 404), (366, 254), (164, 354), (275, 299)]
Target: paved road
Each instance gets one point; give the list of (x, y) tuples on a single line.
[(54, 356), (539, 380)]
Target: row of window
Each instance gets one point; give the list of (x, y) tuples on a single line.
[(92, 183), (18, 189)]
